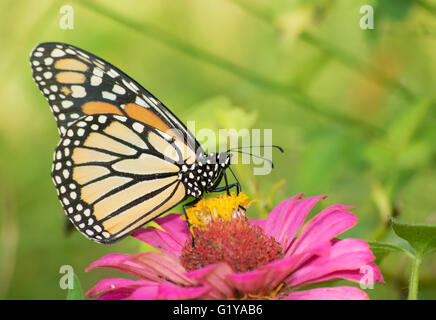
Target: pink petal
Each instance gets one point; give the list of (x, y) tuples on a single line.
[(265, 278), (121, 262), (160, 240), (152, 266), (111, 284), (354, 275), (344, 255), (145, 293), (169, 291), (110, 259), (119, 294), (322, 228), (176, 227), (167, 268), (286, 218), (214, 276), (333, 293)]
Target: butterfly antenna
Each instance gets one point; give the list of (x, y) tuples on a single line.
[(256, 156), (246, 147)]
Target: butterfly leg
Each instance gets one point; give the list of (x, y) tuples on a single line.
[(191, 204), (227, 188)]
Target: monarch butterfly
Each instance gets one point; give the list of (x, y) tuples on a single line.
[(124, 158)]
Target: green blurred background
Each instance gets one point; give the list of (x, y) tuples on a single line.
[(354, 109)]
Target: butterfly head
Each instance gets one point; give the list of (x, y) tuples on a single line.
[(210, 166)]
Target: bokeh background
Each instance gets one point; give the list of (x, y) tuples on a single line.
[(354, 110)]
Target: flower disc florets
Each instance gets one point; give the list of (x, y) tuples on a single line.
[(228, 237)]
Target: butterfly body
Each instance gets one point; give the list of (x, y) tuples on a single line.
[(123, 158)]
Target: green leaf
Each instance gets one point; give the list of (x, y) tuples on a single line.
[(382, 249), (422, 237), (76, 292)]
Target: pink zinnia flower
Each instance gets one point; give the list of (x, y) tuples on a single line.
[(235, 258)]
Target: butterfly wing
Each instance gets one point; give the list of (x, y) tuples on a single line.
[(112, 177), (77, 83), (118, 162)]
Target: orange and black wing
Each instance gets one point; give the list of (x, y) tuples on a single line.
[(119, 160), (77, 83), (111, 175)]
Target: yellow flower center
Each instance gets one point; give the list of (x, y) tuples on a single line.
[(220, 208)]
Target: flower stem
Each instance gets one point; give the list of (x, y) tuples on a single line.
[(414, 277)]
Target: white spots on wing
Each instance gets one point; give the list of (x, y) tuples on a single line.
[(154, 101), (66, 201), (130, 86), (113, 73), (96, 80), (98, 72), (48, 61), (83, 54), (108, 95), (118, 89), (70, 51), (41, 49), (57, 53), (54, 88), (47, 75), (94, 127), (78, 91), (120, 118), (66, 173), (147, 99), (80, 132), (67, 104), (35, 63), (141, 102), (102, 119), (135, 88), (61, 117), (38, 54), (138, 127)]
